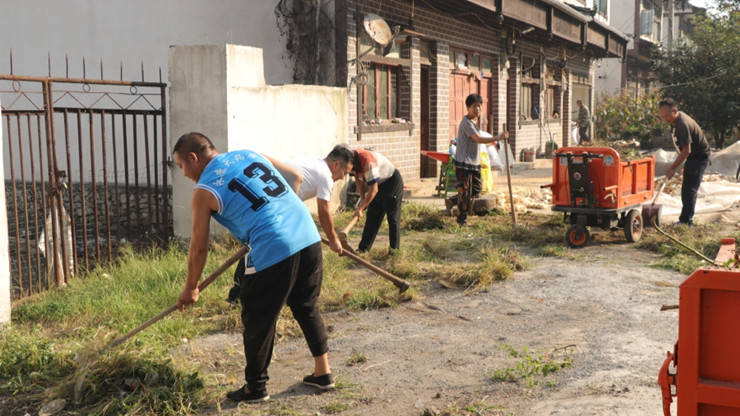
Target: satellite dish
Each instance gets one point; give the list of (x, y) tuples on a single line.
[(377, 29)]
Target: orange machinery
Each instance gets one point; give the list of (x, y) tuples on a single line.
[(594, 187), (707, 380)]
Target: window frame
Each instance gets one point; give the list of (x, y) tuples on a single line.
[(389, 70), (469, 56)]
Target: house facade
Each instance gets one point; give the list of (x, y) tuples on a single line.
[(529, 60), (647, 23)]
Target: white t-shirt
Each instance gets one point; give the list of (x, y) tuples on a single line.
[(317, 180)]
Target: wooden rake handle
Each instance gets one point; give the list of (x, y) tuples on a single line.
[(345, 230), (208, 280), (401, 284)]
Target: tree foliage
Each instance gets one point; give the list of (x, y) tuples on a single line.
[(626, 117), (702, 74)]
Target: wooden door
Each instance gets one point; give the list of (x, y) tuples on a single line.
[(428, 166)]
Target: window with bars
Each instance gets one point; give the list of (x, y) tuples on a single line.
[(529, 107), (381, 92)]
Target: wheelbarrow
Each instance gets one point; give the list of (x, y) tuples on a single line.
[(444, 172)]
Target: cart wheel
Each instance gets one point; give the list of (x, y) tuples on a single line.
[(633, 225), (577, 236)]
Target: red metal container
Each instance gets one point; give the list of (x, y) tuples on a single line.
[(617, 184), (707, 378), (594, 187)]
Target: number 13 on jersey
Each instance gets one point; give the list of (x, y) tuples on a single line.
[(274, 186)]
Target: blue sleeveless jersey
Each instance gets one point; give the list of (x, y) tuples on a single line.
[(258, 207)]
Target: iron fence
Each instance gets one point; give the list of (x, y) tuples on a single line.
[(86, 172)]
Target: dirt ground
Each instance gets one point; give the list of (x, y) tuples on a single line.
[(439, 353), (436, 354)]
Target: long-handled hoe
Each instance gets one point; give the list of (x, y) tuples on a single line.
[(87, 358)]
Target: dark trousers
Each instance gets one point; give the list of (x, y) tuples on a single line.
[(386, 203), (295, 281), (584, 134), (693, 170), (466, 178)]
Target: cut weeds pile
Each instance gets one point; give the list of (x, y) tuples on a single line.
[(43, 350)]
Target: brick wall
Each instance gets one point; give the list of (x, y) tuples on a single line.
[(445, 32)]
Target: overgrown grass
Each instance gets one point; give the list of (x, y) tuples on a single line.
[(705, 238), (54, 335), (50, 350), (530, 366)]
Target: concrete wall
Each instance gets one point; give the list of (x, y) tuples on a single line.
[(220, 91), (133, 31), (608, 75), (4, 259)]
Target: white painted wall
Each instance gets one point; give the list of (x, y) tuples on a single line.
[(4, 259), (133, 31), (218, 91)]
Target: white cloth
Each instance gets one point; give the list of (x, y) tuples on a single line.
[(317, 180)]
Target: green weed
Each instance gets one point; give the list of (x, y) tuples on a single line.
[(357, 357), (334, 407), (529, 366)]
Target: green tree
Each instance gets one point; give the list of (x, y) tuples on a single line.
[(626, 117), (702, 74)]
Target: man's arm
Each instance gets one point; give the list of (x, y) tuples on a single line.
[(478, 139), (685, 151), (202, 204), (294, 178), (367, 196), (327, 224), (684, 143)]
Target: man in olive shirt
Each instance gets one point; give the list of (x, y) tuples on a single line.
[(584, 123), (693, 148)]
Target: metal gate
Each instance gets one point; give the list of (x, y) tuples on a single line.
[(85, 173)]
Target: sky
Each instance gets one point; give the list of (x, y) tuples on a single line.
[(703, 3)]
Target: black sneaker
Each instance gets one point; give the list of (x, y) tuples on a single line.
[(251, 397), (324, 382), (234, 295)]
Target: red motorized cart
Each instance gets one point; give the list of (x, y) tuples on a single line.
[(706, 380), (594, 187)]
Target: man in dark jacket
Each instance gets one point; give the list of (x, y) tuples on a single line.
[(693, 148)]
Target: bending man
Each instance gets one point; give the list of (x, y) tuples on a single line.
[(244, 192)]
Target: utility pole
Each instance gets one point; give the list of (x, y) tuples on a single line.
[(671, 13)]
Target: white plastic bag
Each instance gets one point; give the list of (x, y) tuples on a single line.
[(493, 157), (502, 155)]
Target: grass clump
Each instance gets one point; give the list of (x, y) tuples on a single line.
[(495, 263), (334, 407), (530, 366), (705, 238), (29, 362), (357, 357), (419, 217)]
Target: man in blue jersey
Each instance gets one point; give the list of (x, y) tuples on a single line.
[(245, 193)]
